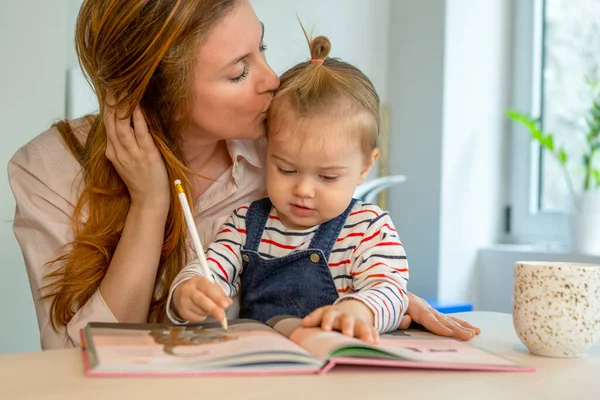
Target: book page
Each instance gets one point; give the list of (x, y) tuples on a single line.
[(200, 345), (316, 341), (323, 344), (397, 345), (285, 325), (440, 350)]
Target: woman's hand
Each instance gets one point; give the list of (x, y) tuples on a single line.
[(136, 158), (422, 313)]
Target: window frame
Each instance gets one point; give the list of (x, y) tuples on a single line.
[(528, 222)]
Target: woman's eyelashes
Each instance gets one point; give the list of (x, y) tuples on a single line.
[(243, 75), (262, 48)]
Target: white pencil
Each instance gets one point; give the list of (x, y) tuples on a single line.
[(187, 212)]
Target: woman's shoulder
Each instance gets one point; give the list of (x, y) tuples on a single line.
[(48, 159), (49, 147)]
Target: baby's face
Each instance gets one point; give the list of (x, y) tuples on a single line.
[(312, 174)]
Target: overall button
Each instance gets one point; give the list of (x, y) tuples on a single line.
[(246, 258), (314, 257)]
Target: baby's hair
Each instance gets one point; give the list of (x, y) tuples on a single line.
[(324, 86)]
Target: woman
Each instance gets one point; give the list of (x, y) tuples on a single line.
[(184, 88)]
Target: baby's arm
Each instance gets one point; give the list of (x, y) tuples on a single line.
[(380, 273), (191, 296), (224, 255)]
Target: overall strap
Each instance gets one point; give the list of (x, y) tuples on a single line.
[(328, 232), (256, 219)]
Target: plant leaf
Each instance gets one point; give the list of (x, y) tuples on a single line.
[(596, 174), (585, 159), (562, 156), (530, 123), (522, 118), (592, 83), (548, 142)]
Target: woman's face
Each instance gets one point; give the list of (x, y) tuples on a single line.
[(233, 84)]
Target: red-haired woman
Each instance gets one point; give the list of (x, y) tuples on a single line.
[(184, 89)]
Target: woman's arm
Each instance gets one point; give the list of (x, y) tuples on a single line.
[(46, 180), (129, 281), (420, 312)]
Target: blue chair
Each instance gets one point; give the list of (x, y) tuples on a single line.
[(449, 307)]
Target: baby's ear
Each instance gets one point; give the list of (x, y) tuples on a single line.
[(368, 164), (375, 155)]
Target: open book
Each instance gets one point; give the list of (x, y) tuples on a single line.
[(281, 347)]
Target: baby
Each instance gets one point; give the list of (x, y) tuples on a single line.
[(309, 250)]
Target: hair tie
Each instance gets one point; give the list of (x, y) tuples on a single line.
[(317, 60)]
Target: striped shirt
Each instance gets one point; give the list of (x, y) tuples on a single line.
[(367, 262)]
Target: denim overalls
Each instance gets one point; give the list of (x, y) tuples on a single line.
[(295, 284)]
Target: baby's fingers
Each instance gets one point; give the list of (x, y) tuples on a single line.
[(366, 332), (207, 305), (331, 319), (192, 313), (314, 318), (213, 291), (347, 325)]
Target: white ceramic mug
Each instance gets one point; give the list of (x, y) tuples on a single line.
[(557, 307)]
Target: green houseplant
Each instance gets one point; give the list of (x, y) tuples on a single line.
[(591, 136), (586, 195)]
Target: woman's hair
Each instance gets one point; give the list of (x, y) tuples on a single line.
[(140, 52), (324, 86)]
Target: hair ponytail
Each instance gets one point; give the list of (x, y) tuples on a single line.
[(325, 85)]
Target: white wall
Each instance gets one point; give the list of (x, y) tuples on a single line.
[(477, 66), (415, 80), (448, 89), (73, 7), (32, 96), (358, 30), (496, 272)]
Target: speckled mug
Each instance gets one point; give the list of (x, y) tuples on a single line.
[(557, 307)]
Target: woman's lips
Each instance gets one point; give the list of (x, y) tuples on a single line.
[(265, 110)]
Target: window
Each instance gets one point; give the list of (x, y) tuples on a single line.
[(555, 50), (571, 56)]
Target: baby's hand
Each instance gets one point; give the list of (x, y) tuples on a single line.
[(197, 298), (347, 317)]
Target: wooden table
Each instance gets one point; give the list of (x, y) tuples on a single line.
[(58, 374)]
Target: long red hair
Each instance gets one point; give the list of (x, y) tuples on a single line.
[(143, 52)]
